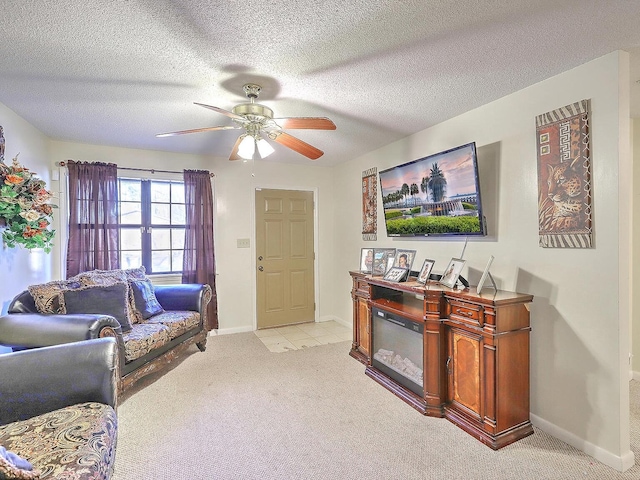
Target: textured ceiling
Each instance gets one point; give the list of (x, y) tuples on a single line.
[(117, 72)]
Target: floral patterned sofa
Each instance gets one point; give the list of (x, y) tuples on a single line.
[(152, 324), (58, 411)]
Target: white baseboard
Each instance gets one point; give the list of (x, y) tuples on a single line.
[(619, 463), (228, 331), (634, 375), (329, 318)]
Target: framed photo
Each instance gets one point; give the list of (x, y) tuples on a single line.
[(381, 258), (396, 274), (451, 274), (404, 258), (484, 276), (425, 271), (366, 260)]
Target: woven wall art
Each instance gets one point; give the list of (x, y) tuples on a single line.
[(370, 204), (564, 177)]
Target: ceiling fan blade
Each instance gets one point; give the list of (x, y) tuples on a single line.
[(315, 123), (234, 152), (222, 111), (296, 144), (195, 130)]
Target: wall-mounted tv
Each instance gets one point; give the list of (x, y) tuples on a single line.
[(438, 195)]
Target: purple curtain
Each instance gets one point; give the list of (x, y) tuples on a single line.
[(93, 217), (199, 264)]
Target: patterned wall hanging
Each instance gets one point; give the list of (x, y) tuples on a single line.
[(1, 144), (564, 177), (370, 204)]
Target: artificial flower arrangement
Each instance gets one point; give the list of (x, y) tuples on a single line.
[(25, 207)]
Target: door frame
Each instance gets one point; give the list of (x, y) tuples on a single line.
[(254, 263)]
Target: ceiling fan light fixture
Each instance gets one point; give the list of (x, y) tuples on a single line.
[(264, 148), (247, 147), (258, 122)]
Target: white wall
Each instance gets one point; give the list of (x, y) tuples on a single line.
[(635, 323), (19, 267), (234, 186), (579, 316)]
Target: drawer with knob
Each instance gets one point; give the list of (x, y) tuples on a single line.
[(362, 287), (466, 313)]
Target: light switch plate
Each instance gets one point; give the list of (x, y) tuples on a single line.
[(243, 243)]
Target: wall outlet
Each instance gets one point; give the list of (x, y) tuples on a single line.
[(243, 243)]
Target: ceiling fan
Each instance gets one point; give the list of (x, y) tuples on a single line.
[(258, 122)]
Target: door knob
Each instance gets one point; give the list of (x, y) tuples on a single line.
[(261, 268), (260, 258)]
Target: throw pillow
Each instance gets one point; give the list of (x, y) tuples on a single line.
[(109, 277), (13, 466), (48, 296), (102, 299), (139, 273), (146, 302), (133, 274)]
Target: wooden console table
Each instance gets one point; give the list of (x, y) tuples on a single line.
[(475, 347)]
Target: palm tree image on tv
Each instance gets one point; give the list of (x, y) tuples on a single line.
[(444, 195), (414, 192), (404, 191), (424, 185)]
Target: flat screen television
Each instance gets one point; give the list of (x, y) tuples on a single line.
[(438, 195)]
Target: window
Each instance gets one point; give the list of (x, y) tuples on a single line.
[(152, 223)]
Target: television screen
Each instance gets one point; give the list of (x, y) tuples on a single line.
[(434, 195)]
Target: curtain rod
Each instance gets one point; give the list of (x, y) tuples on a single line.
[(152, 170)]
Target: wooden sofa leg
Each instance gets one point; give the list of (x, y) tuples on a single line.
[(202, 346)]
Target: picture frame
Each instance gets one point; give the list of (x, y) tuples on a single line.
[(486, 275), (381, 258), (452, 272), (366, 260), (425, 271), (404, 258), (565, 218), (390, 261), (396, 274)]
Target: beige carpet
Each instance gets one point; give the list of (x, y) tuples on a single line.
[(238, 411)]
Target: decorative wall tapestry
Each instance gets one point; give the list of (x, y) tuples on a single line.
[(564, 177), (370, 204), (1, 144)]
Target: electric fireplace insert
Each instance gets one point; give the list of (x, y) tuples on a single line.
[(398, 349)]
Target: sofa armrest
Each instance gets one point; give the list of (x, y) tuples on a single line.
[(41, 380), (185, 296), (30, 330)]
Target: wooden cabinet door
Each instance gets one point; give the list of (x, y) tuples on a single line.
[(464, 371), (364, 320)]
